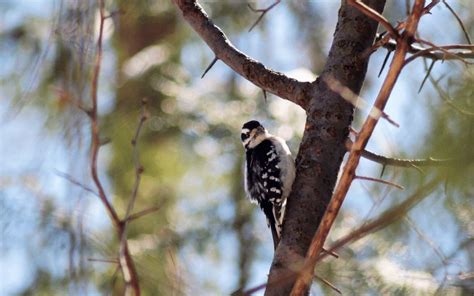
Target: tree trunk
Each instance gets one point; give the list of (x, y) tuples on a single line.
[(322, 149)]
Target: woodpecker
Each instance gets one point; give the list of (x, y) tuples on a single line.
[(269, 173)]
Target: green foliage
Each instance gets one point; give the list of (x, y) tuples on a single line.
[(192, 158)]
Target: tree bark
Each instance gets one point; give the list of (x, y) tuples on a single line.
[(323, 145)]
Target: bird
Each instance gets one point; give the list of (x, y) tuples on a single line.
[(269, 174)]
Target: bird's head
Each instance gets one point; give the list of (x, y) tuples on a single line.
[(252, 134)]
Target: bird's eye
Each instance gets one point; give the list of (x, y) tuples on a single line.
[(244, 136)]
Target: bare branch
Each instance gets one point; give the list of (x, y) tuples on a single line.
[(427, 9), (136, 159), (445, 96), (406, 162), (464, 51), (379, 181), (127, 265), (389, 52), (271, 81), (113, 261), (442, 52), (386, 218), (335, 255), (375, 16), (318, 161), (304, 279), (209, 67), (329, 284), (64, 95), (95, 125), (386, 40), (436, 249), (466, 34), (126, 261), (75, 182), (355, 100), (262, 12), (428, 72), (382, 221), (144, 212)]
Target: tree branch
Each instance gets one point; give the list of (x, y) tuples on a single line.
[(379, 181), (126, 263), (406, 162), (371, 13), (385, 219), (322, 147), (348, 175), (95, 125), (442, 52), (464, 51), (458, 19), (399, 162), (271, 81), (262, 12)]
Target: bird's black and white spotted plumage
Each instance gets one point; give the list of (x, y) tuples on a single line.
[(269, 173)]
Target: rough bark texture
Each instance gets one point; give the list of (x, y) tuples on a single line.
[(323, 144), (272, 81)]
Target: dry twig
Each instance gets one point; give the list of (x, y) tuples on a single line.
[(145, 212), (458, 19), (262, 12), (385, 219), (371, 13), (379, 181), (127, 265), (209, 67), (329, 284), (356, 100)]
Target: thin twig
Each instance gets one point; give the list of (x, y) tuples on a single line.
[(407, 162), (371, 13), (66, 96), (95, 125), (136, 159), (427, 9), (436, 249), (356, 100), (126, 262), (209, 67), (443, 52), (385, 219), (144, 213), (466, 34), (262, 12), (335, 255), (70, 179), (467, 53), (113, 261), (379, 181), (428, 72), (389, 52), (446, 97), (125, 258), (327, 283)]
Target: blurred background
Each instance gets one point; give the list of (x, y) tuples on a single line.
[(207, 239)]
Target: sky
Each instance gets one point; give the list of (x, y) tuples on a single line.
[(23, 136)]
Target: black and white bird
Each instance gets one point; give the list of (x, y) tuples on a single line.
[(269, 173)]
